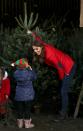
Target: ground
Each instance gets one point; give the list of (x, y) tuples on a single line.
[(45, 122)]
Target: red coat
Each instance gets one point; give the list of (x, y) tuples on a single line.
[(56, 58), (4, 90)]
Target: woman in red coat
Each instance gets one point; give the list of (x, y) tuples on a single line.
[(4, 90), (64, 64)]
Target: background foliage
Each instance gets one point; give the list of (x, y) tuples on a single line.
[(16, 44)]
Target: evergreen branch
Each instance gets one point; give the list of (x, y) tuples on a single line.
[(4, 61), (19, 23), (21, 20), (30, 20), (26, 24), (25, 19), (35, 20)]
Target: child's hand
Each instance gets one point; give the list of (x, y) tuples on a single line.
[(6, 96), (29, 32), (30, 67), (12, 64)]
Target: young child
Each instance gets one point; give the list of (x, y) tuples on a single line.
[(4, 91), (24, 75)]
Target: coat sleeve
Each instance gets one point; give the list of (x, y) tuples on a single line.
[(7, 87), (56, 64)]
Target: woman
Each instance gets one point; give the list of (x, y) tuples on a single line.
[(64, 64)]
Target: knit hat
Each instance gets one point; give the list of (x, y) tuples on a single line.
[(21, 63)]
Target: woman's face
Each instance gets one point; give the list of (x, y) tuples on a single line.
[(37, 49)]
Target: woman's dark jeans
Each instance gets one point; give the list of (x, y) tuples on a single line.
[(23, 109), (65, 88)]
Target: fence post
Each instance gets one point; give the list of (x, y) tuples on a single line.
[(81, 13)]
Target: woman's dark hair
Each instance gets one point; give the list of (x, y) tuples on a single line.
[(35, 56), (36, 43)]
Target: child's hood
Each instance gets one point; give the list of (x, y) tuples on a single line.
[(5, 75)]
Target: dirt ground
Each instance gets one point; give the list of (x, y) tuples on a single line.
[(44, 122)]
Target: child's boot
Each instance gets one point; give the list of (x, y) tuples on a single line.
[(28, 124), (20, 123)]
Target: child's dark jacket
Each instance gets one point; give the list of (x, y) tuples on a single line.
[(24, 87)]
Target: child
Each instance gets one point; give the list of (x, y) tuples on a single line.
[(4, 91), (24, 76)]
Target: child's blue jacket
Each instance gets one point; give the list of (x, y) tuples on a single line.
[(24, 87)]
